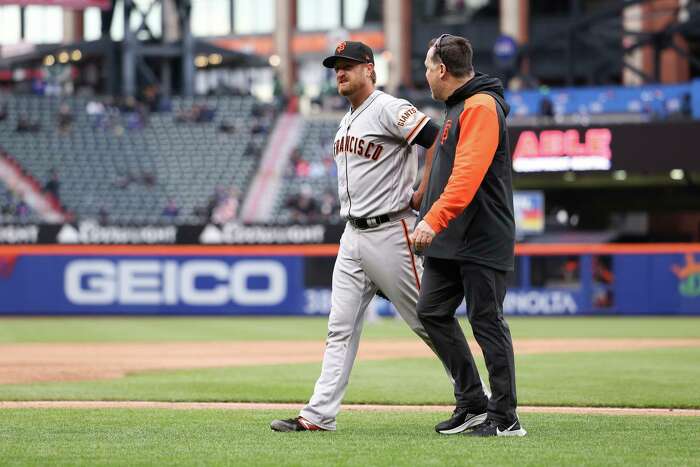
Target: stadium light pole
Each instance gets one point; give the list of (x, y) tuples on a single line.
[(128, 54), (187, 49)]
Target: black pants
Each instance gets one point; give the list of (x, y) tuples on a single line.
[(445, 283)]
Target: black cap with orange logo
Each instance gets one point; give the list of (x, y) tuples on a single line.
[(350, 50)]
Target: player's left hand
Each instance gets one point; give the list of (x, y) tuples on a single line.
[(422, 236)]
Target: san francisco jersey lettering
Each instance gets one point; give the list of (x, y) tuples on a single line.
[(377, 166)]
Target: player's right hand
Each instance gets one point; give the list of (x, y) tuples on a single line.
[(416, 201)]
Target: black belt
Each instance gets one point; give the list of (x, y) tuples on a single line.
[(368, 222)]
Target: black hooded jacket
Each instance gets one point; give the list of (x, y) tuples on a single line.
[(469, 197)]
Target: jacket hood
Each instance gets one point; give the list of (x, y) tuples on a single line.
[(480, 83)]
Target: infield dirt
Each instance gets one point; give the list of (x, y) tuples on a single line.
[(28, 363)]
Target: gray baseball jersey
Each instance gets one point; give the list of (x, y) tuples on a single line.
[(377, 165)]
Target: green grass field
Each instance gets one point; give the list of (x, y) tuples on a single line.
[(291, 329), (162, 437), (631, 378)]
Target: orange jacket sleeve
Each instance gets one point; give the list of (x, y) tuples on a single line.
[(477, 144)]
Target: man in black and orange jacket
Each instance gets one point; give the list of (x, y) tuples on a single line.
[(466, 232)]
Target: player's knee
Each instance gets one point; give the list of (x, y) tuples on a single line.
[(424, 311), (339, 332)]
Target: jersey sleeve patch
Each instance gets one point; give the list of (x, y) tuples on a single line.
[(403, 119)]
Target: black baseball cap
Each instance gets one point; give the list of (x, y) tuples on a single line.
[(350, 50)]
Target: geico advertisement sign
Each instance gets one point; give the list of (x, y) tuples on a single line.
[(158, 282)]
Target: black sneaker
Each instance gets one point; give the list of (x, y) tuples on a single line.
[(492, 428), (294, 424), (462, 419)]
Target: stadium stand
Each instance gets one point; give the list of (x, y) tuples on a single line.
[(125, 166), (310, 191), (606, 104), (13, 210)]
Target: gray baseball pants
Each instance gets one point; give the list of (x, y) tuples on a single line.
[(378, 257)]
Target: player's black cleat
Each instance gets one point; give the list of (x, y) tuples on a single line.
[(493, 428), (294, 424), (462, 419)]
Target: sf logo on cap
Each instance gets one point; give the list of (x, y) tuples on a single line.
[(340, 47)]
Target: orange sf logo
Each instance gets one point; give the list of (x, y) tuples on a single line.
[(340, 47), (445, 131)]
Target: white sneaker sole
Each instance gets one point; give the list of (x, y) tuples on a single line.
[(520, 432), (472, 422)]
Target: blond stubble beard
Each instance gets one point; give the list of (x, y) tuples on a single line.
[(347, 91)]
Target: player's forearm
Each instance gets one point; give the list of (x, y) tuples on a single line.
[(427, 167)]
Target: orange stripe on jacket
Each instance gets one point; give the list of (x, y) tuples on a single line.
[(477, 144)]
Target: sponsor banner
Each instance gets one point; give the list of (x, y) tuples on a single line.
[(18, 234), (92, 233), (317, 301), (113, 284), (77, 4), (563, 150), (644, 147), (542, 302), (240, 234), (517, 302), (107, 280)]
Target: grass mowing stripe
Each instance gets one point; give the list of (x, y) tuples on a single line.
[(147, 437), (649, 378), (144, 329)]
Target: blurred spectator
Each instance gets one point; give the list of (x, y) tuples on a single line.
[(258, 127), (294, 159), (155, 101), (302, 169), (331, 167), (96, 112), (53, 185), (124, 180), (546, 108), (183, 116), (3, 112), (258, 110), (170, 211), (303, 207), (134, 121), (204, 212), (687, 106), (317, 169), (329, 204), (103, 216), (22, 210), (148, 179), (204, 114), (135, 114), (199, 113), (65, 118), (25, 125), (227, 127), (227, 208), (252, 149), (7, 208)]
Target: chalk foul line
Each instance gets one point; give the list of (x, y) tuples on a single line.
[(347, 407)]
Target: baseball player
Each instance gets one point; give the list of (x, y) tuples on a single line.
[(376, 170)]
